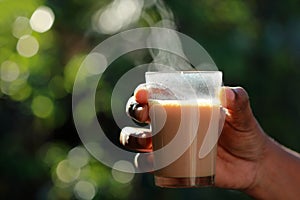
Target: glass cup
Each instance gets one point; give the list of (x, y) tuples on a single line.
[(184, 110)]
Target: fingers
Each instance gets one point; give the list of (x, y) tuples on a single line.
[(138, 139), (138, 112), (144, 162), (237, 99), (141, 94), (137, 106), (234, 98), (239, 113)]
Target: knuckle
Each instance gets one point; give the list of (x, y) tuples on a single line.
[(137, 112)]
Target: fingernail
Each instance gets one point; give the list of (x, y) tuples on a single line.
[(230, 95), (141, 94), (139, 87)]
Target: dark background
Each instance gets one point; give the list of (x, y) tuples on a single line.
[(255, 43)]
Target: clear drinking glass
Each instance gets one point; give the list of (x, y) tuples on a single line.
[(184, 109)]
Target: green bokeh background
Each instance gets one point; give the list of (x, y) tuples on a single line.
[(255, 43)]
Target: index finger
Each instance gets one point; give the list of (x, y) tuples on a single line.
[(141, 94)]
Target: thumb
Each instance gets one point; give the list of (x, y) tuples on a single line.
[(236, 102)]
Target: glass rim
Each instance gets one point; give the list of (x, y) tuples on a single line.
[(183, 72)]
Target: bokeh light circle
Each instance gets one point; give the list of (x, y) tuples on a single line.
[(9, 71), (66, 172), (42, 106), (84, 190), (120, 176), (21, 27), (27, 46), (42, 19)]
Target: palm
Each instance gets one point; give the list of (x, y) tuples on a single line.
[(233, 172), (238, 156)]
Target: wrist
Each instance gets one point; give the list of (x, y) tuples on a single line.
[(262, 180), (276, 177)]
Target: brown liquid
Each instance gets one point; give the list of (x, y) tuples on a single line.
[(175, 117)]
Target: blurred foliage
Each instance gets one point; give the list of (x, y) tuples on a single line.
[(255, 43)]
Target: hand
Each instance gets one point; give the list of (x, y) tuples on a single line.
[(240, 146), (244, 152)]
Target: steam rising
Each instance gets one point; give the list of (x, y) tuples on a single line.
[(162, 60), (123, 14)]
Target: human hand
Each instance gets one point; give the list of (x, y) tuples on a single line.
[(240, 145), (247, 159)]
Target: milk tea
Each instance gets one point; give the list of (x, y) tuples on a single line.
[(192, 120)]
